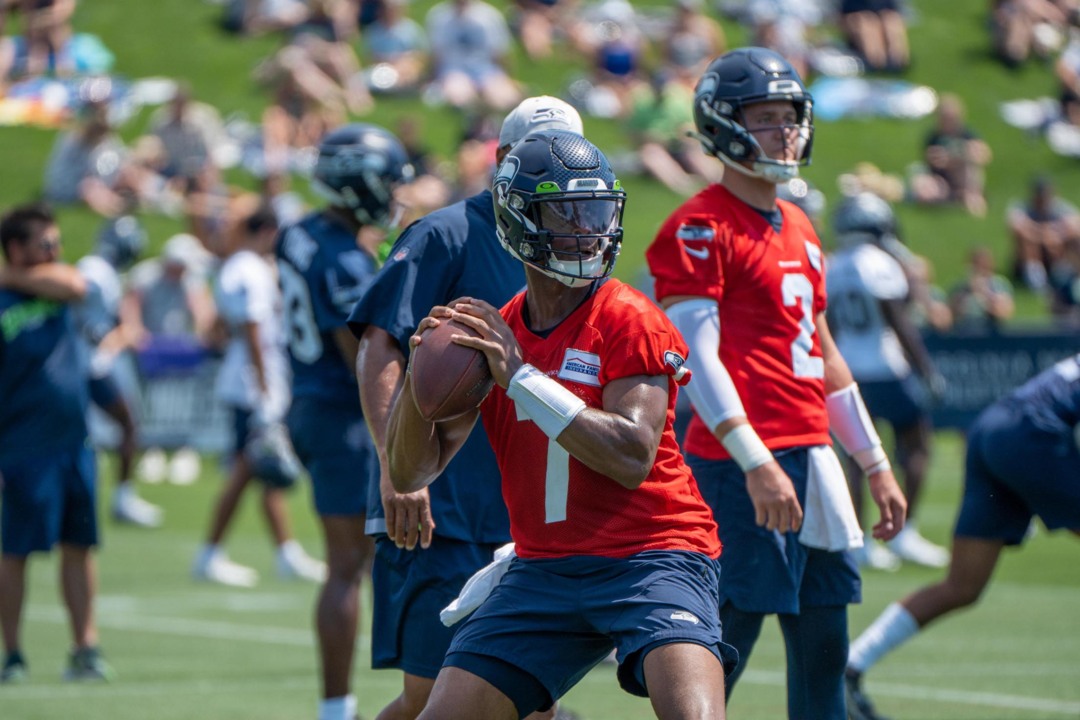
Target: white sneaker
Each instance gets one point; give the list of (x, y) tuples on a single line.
[(216, 567), (184, 467), (295, 564), (875, 556), (127, 507), (909, 545), (152, 466)]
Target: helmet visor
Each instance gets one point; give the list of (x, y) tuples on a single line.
[(584, 216)]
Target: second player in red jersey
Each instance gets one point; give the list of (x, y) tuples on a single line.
[(770, 287)]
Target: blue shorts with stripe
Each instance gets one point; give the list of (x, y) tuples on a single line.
[(766, 571), (48, 499), (333, 443), (1016, 469), (556, 619), (410, 588)]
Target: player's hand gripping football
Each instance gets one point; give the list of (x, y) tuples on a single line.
[(496, 340), (776, 506), (892, 505)]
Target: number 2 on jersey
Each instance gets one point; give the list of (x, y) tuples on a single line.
[(556, 479), (796, 288)]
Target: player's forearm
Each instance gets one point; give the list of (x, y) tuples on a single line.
[(414, 448), (51, 281), (380, 372)]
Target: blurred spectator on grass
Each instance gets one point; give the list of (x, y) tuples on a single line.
[(91, 165), (1067, 70), (429, 190), (608, 35), (470, 44), (955, 158), (661, 113), (188, 131), (692, 41), (1020, 29), (1041, 228), (44, 47), (877, 31), (537, 23), (983, 301), (397, 49)]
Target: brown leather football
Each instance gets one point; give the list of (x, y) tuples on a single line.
[(448, 380)]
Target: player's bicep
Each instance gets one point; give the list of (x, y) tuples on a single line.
[(640, 399)]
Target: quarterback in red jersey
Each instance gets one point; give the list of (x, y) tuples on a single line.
[(770, 386), (616, 549)]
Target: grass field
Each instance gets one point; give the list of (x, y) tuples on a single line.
[(185, 650)]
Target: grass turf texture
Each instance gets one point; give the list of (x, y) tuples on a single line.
[(180, 39), (183, 649)]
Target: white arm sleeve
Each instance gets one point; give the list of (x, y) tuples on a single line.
[(711, 389)]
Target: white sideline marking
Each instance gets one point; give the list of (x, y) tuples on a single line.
[(961, 697), (292, 637), (125, 688)]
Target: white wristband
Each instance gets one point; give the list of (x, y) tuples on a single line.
[(854, 428), (543, 400), (746, 447)]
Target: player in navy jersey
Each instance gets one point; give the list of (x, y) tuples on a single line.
[(460, 521), (47, 471), (616, 549), (1023, 461), (325, 261)]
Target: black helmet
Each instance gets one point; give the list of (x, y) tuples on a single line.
[(864, 218), (740, 78), (359, 167), (558, 207)]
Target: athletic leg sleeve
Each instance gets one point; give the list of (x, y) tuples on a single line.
[(740, 630)]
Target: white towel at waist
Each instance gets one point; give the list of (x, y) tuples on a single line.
[(829, 520), (478, 587)]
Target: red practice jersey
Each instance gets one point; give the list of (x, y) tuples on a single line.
[(770, 287), (558, 506)]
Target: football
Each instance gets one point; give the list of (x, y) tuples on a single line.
[(448, 379)]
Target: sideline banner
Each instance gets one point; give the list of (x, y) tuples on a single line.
[(979, 369), (172, 409)]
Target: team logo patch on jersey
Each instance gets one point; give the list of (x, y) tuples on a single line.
[(580, 367), (400, 255), (695, 239), (677, 363), (813, 253), (685, 616)]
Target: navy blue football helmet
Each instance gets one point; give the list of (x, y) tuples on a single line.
[(558, 207), (864, 218), (121, 241), (732, 82), (359, 167)]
